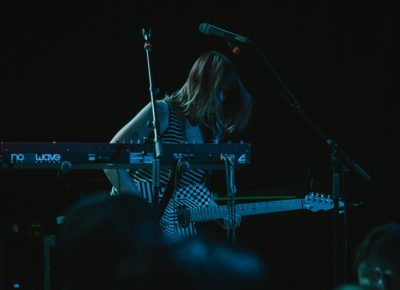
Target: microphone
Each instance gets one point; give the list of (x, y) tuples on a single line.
[(209, 29)]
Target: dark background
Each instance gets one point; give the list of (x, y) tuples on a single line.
[(75, 71)]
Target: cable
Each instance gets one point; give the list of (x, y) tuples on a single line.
[(231, 234)]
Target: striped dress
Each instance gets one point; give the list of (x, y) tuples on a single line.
[(190, 190)]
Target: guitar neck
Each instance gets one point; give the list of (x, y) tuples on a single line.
[(218, 212)]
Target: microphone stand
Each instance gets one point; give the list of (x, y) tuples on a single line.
[(340, 162), (231, 192), (155, 124)]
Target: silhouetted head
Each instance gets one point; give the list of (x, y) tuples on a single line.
[(377, 259), (198, 264), (108, 242)]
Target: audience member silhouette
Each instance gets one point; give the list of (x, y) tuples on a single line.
[(201, 263), (115, 243), (108, 243), (377, 258)]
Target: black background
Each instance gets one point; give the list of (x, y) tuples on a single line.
[(75, 71)]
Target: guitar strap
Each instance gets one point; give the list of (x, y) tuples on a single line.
[(175, 173), (169, 189)]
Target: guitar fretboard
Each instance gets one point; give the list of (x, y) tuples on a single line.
[(217, 212)]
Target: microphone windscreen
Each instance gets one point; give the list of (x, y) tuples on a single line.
[(204, 28)]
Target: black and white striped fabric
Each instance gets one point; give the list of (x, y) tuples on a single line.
[(190, 190)]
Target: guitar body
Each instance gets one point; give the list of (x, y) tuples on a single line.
[(190, 197)]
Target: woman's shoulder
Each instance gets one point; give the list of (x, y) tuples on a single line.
[(163, 114)]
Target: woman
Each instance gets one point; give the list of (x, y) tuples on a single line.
[(211, 105)]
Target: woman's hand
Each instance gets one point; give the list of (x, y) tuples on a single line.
[(224, 223)]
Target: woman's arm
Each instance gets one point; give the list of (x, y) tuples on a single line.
[(136, 131)]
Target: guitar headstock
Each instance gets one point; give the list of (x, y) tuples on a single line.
[(319, 201)]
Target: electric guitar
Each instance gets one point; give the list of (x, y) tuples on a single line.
[(182, 214)]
